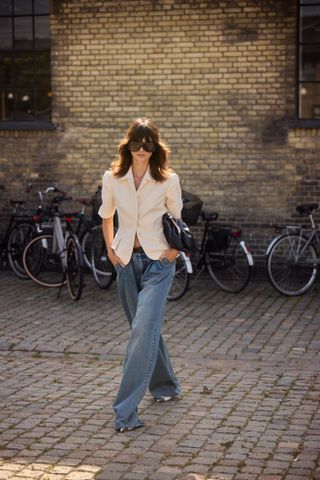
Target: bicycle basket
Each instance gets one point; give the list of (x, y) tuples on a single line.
[(218, 240), (96, 203), (191, 208)]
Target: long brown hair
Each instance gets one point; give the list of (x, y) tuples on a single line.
[(143, 128)]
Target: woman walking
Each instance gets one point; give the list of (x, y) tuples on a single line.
[(141, 187)]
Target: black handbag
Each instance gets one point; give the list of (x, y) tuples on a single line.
[(177, 233)]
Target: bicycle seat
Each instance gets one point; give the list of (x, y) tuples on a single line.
[(307, 208), (17, 202), (87, 202), (209, 216)]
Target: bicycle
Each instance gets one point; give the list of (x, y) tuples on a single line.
[(102, 269), (87, 227), (292, 258), (55, 259), (89, 232), (223, 253), (182, 277), (21, 227)]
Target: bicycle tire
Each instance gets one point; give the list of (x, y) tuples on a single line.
[(181, 280), (286, 275), (229, 267), (19, 237), (86, 244), (102, 269), (43, 266), (75, 264)]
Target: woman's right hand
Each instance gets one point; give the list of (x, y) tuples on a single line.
[(114, 259)]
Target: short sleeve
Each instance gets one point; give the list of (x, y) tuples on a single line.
[(174, 200), (107, 208)]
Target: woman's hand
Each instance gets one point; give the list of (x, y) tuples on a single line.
[(114, 259), (171, 254)]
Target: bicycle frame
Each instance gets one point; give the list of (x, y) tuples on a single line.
[(202, 251), (187, 262), (14, 219), (311, 239), (59, 239)]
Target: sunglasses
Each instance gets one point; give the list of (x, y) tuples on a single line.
[(147, 146)]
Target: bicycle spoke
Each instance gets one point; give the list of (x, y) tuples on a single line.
[(292, 265), (229, 266), (74, 268), (181, 280), (42, 264)]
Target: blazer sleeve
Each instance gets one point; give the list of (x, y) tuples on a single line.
[(107, 208), (174, 200)]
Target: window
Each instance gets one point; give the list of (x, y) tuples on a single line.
[(25, 90), (309, 60)]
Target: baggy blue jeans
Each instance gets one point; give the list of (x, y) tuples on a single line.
[(143, 287)]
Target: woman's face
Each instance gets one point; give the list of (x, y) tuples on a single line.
[(141, 151)]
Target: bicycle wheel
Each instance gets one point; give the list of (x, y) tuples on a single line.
[(74, 267), (86, 244), (181, 280), (291, 266), (229, 267), (17, 241), (43, 265), (102, 269)]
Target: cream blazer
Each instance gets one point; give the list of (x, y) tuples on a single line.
[(140, 211)]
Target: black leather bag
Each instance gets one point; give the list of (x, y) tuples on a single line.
[(177, 233)]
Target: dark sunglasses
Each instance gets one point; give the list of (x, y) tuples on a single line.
[(147, 146)]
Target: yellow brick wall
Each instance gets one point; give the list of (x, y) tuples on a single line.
[(217, 76)]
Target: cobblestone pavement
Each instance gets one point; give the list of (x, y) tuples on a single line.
[(249, 366)]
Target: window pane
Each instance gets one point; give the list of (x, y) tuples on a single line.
[(24, 68), (6, 104), (25, 64), (23, 33), (5, 7), (5, 34), (6, 70), (41, 6), (42, 32), (22, 7), (310, 63), (310, 24), (310, 101), (43, 70), (24, 104), (43, 104)]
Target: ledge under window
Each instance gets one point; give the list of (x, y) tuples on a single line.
[(306, 124), (27, 126)]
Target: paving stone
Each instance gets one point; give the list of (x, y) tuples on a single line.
[(256, 354)]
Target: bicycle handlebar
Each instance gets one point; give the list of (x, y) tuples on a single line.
[(54, 190)]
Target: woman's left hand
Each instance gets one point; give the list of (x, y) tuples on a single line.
[(171, 254)]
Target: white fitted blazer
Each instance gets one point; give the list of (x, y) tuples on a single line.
[(140, 211)]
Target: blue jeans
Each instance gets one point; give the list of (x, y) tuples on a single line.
[(143, 287)]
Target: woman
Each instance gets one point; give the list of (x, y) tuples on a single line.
[(141, 187)]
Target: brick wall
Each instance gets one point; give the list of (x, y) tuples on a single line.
[(217, 76)]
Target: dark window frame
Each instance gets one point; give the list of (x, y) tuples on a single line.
[(300, 122), (36, 123)]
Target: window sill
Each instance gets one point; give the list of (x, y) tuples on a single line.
[(306, 124), (27, 126)]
